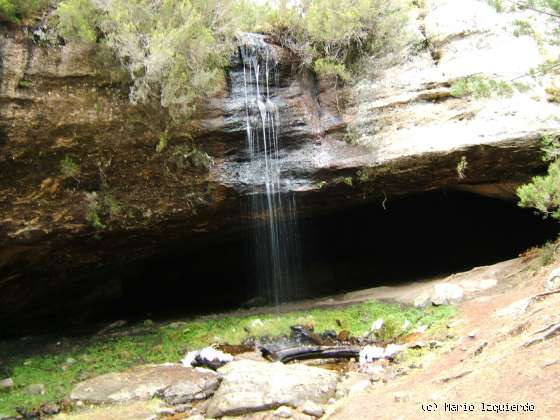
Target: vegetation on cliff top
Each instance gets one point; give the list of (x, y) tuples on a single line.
[(175, 52), (16, 11)]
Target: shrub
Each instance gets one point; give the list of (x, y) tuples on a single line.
[(174, 51), (78, 20), (334, 37), (16, 11), (547, 253), (543, 192)]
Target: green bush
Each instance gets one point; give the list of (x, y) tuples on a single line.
[(339, 37), (16, 11), (78, 20), (174, 51), (543, 193)]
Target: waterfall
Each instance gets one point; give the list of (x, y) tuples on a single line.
[(275, 244)]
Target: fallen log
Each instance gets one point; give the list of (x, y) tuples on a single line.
[(310, 352)]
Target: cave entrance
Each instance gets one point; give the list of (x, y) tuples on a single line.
[(362, 246)]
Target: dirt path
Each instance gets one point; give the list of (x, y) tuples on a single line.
[(491, 366)]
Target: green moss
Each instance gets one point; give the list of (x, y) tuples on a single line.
[(23, 83), (40, 361), (69, 168)]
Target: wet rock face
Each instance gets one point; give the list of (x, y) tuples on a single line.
[(80, 173), (83, 192)]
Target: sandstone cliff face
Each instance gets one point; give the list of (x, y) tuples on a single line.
[(409, 134)]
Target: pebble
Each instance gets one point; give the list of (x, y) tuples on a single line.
[(312, 409), (472, 334), (401, 396), (6, 384), (283, 412)]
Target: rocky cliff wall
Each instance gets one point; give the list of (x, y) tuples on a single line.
[(401, 130)]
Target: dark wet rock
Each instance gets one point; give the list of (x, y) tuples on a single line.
[(174, 383)]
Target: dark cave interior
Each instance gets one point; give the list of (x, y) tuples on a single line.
[(362, 246)]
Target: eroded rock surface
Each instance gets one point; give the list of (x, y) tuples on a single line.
[(172, 382), (250, 386), (410, 132)]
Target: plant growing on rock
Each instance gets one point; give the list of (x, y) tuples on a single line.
[(16, 11), (339, 38), (69, 168), (543, 192), (462, 167), (481, 87), (174, 51)]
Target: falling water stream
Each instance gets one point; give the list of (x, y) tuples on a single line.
[(275, 246)]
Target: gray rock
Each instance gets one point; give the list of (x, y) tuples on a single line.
[(447, 294), (283, 412), (196, 417), (6, 384), (36, 389), (422, 301), (174, 383), (351, 382), (359, 387), (553, 280), (312, 409), (250, 386)]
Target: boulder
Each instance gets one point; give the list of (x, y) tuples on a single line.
[(422, 301), (553, 280), (174, 383), (250, 386), (447, 294)]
